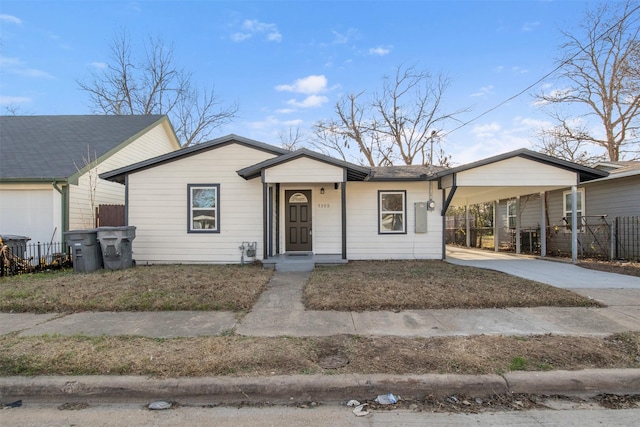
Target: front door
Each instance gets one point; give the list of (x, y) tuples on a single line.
[(298, 220)]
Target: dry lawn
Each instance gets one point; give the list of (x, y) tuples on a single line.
[(626, 268), (143, 288), (405, 285), (252, 356)]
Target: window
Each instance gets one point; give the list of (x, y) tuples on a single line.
[(579, 209), (392, 208), (203, 205), (512, 212)]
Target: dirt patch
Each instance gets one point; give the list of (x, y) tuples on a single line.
[(619, 267), (143, 288), (257, 356), (405, 285)]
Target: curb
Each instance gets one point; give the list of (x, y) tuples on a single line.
[(319, 388)]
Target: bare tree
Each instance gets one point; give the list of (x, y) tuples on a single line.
[(397, 125), (150, 83), (291, 139), (600, 69), (556, 142)]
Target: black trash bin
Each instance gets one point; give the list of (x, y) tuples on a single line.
[(115, 242), (85, 250)]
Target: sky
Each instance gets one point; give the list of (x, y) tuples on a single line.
[(287, 63)]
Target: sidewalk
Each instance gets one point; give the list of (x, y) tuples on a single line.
[(279, 311)]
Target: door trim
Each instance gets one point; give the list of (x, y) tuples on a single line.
[(308, 246)]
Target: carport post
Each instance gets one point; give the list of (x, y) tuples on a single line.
[(574, 224), (518, 225), (543, 225), (468, 226), (496, 239)]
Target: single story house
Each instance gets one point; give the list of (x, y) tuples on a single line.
[(605, 207), (233, 198), (49, 167)]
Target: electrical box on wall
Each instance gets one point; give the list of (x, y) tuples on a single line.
[(421, 209)]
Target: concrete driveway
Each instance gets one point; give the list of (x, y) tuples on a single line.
[(555, 273)]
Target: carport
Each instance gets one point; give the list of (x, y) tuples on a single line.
[(512, 175)]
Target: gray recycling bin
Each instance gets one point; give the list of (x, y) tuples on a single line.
[(116, 246), (17, 244), (85, 250)]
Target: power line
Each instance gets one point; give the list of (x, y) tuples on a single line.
[(562, 64)]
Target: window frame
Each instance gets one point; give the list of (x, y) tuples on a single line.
[(403, 212), (580, 193), (510, 203), (216, 208)]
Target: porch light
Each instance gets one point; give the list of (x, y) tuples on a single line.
[(321, 190), (336, 185)]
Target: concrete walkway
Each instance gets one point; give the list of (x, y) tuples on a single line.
[(280, 312)]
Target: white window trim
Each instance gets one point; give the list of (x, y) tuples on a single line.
[(512, 202), (403, 212), (580, 196), (190, 211)]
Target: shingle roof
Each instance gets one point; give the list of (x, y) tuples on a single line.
[(48, 147)]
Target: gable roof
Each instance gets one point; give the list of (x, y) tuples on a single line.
[(45, 148), (118, 175), (354, 172), (586, 173)]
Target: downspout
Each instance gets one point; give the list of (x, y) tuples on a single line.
[(64, 206)]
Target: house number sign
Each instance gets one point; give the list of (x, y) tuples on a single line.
[(324, 205)]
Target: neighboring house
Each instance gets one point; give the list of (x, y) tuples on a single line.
[(49, 168), (600, 206), (211, 202)]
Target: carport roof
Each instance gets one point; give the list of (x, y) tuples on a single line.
[(479, 182)]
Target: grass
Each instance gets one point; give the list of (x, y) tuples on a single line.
[(143, 288), (257, 356), (403, 285)]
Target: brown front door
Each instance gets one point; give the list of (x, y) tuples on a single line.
[(298, 220)]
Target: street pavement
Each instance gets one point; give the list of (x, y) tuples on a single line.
[(280, 312)]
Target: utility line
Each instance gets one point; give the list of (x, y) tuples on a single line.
[(562, 64)]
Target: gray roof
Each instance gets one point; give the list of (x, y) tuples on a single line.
[(55, 147), (118, 175), (405, 173)]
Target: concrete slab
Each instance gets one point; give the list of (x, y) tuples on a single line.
[(570, 320), (295, 323), (14, 322), (627, 317), (559, 274), (410, 323), (612, 297), (150, 324), (485, 321)]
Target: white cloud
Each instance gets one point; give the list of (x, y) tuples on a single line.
[(17, 67), (12, 100), (251, 27), (10, 19), (344, 38), (483, 91), (530, 26), (99, 65), (308, 85), (486, 131), (519, 70), (311, 101), (379, 51), (286, 111)]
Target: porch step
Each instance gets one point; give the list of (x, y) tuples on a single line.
[(295, 266)]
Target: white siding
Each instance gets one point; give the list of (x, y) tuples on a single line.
[(363, 240), (31, 210), (326, 217), (304, 170), (155, 142), (158, 208), (515, 172)]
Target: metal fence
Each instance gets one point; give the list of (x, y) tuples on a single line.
[(19, 258), (599, 237)]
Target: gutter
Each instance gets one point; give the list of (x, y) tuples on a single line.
[(64, 195)]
